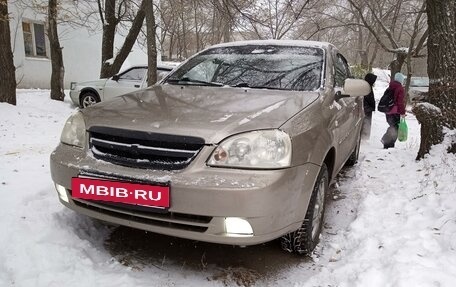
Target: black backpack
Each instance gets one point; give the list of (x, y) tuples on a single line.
[(386, 103)]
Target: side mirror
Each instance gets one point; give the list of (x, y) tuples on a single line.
[(339, 96), (356, 87), (115, 78)]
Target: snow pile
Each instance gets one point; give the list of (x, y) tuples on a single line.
[(43, 243), (405, 230)]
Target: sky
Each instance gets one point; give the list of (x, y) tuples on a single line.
[(391, 220)]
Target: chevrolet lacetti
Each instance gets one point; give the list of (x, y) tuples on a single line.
[(236, 146)]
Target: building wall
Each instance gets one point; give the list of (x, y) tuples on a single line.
[(81, 52)]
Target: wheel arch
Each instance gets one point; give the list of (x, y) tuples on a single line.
[(330, 160), (85, 91), (89, 89)]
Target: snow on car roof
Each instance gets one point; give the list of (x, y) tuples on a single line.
[(299, 43), (168, 64), (164, 66)]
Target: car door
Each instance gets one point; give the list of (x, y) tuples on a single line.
[(126, 82), (347, 118)]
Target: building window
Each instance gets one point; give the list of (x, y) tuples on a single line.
[(34, 39)]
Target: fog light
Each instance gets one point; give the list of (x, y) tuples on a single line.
[(61, 190), (237, 226)]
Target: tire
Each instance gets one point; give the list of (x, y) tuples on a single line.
[(304, 240), (353, 159), (88, 99)]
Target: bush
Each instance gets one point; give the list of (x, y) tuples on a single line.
[(358, 72)]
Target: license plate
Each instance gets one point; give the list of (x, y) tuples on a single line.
[(124, 192)]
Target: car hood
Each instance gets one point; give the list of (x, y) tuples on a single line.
[(212, 113), (100, 82)]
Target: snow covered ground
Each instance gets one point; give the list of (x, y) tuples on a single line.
[(391, 222)]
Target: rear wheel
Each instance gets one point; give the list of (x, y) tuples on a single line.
[(88, 99), (304, 240)]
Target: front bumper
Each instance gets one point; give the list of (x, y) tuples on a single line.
[(273, 202), (74, 95)]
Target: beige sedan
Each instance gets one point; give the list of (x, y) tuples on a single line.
[(236, 146)]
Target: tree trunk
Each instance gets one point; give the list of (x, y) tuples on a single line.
[(374, 56), (151, 44), (226, 26), (58, 70), (440, 112), (364, 59), (397, 63), (215, 23), (363, 54), (171, 45), (184, 45), (108, 69), (431, 128), (8, 76), (109, 32), (197, 31)]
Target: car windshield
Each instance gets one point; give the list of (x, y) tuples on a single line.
[(254, 66), (419, 81)]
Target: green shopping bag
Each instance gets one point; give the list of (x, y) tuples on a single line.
[(402, 132)]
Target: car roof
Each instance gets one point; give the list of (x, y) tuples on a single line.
[(298, 43), (165, 67), (159, 66)]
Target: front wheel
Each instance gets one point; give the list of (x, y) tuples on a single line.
[(304, 240), (88, 99), (353, 159)]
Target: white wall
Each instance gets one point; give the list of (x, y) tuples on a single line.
[(81, 53)]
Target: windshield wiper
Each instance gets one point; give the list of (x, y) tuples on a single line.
[(241, 85), (245, 85), (193, 81)]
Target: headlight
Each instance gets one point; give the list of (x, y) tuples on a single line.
[(74, 131), (266, 149)]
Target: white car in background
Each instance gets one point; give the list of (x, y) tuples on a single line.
[(419, 87), (85, 94)]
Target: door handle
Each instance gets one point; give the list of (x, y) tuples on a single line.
[(137, 86)]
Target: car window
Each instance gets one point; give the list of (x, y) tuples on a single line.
[(135, 74), (255, 66), (204, 71), (342, 71), (162, 73)]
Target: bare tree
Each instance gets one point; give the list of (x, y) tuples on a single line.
[(271, 19), (111, 16), (189, 26), (440, 112), (387, 23), (8, 79), (58, 70), (359, 30), (151, 43), (224, 17)]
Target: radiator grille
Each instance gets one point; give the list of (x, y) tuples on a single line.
[(143, 149)]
